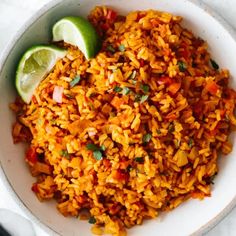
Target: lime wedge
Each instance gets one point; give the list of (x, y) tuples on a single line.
[(34, 65), (79, 32)]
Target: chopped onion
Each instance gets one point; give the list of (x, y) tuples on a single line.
[(57, 94)]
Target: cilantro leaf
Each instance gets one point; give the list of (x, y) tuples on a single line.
[(75, 81), (111, 49), (65, 153), (97, 155), (143, 98), (126, 91), (92, 147), (147, 137), (182, 66), (145, 88), (214, 64), (121, 48), (139, 159), (117, 89), (92, 220)]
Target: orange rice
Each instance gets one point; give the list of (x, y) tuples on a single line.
[(141, 131)]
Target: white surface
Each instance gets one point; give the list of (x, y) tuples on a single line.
[(13, 13)]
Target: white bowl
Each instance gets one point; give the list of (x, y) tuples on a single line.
[(192, 217)]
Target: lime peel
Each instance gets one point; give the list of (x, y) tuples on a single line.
[(34, 65), (79, 32)]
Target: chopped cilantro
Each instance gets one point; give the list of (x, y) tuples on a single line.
[(140, 98), (121, 48), (171, 128), (117, 89), (111, 49), (137, 97), (214, 64), (139, 159), (190, 142), (126, 91), (97, 151), (65, 153), (182, 66), (92, 220), (146, 138), (97, 155), (145, 88), (75, 81), (210, 179), (143, 98), (103, 148)]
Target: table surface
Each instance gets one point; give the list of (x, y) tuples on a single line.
[(13, 14)]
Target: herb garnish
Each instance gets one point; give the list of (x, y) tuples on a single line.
[(92, 220), (117, 89), (182, 66), (126, 91), (111, 49), (147, 137), (97, 151), (214, 64), (190, 142), (145, 88), (75, 81), (139, 159), (171, 128), (65, 154), (143, 98), (121, 48)]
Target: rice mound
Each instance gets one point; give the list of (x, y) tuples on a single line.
[(141, 130)]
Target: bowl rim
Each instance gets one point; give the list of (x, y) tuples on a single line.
[(3, 58)]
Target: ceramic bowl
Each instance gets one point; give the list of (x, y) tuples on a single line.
[(192, 217)]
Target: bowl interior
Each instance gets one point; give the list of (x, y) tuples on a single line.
[(191, 216)]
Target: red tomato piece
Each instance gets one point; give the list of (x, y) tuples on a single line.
[(174, 88), (212, 87), (111, 15), (31, 155), (35, 188)]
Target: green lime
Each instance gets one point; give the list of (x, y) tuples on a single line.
[(34, 65), (79, 32)]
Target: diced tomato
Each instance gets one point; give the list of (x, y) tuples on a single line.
[(81, 199), (214, 131), (115, 208), (142, 62), (185, 54), (111, 15), (35, 188), (140, 16), (122, 175), (174, 88), (171, 117), (34, 99), (198, 109), (164, 80), (222, 113), (212, 87), (31, 155), (105, 26)]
